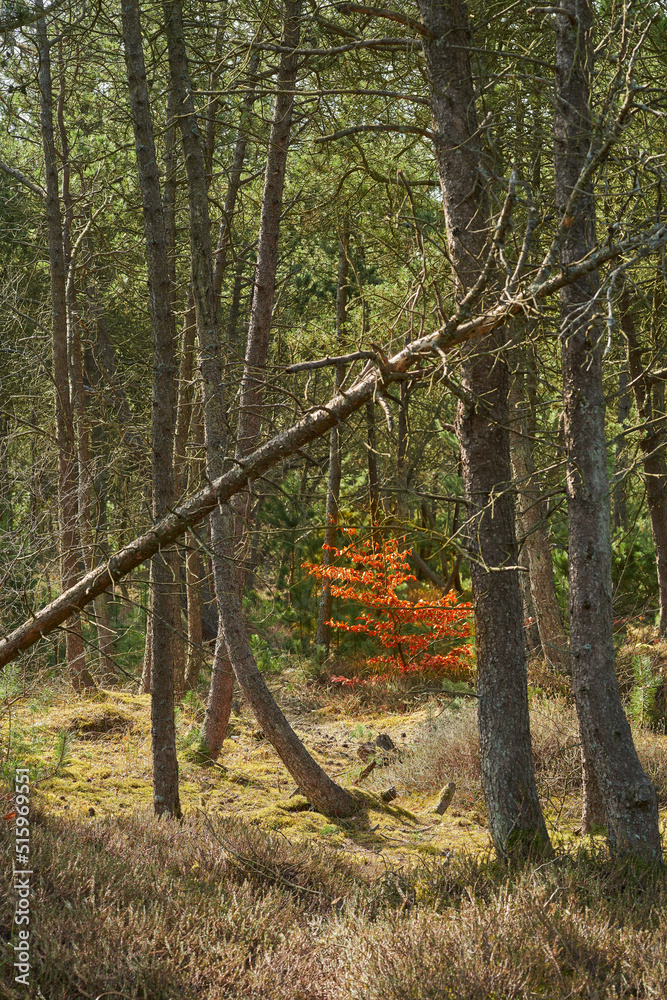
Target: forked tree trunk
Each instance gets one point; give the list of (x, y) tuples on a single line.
[(235, 641), (610, 758), (68, 539), (324, 794), (210, 360), (164, 575), (532, 514), (515, 819)]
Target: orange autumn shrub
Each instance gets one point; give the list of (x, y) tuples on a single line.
[(414, 637)]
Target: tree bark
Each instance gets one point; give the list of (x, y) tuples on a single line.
[(402, 512), (629, 798), (621, 457), (323, 630), (210, 361), (250, 403), (234, 185), (374, 502), (67, 480), (165, 579), (84, 467), (515, 819), (317, 421), (532, 516), (324, 794), (531, 632), (652, 443)]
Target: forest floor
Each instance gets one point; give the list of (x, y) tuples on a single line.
[(256, 895), (104, 769)]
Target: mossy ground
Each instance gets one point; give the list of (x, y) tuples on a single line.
[(106, 771)]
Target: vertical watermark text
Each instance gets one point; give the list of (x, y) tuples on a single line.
[(21, 876)]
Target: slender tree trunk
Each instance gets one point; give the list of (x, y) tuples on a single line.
[(323, 631), (373, 477), (515, 819), (193, 569), (106, 369), (234, 186), (250, 403), (210, 360), (532, 514), (652, 443), (621, 458), (531, 632), (67, 480), (402, 456), (322, 792), (105, 635), (192, 659), (610, 757), (163, 620), (145, 682)]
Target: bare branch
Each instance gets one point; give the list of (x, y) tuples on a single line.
[(342, 359), (355, 129), (23, 179), (390, 15)]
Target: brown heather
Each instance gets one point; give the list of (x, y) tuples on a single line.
[(156, 909)]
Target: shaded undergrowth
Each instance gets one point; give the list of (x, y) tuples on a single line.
[(137, 908)]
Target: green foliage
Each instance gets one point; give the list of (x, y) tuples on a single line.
[(644, 690), (268, 661)]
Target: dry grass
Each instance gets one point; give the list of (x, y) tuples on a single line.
[(447, 749), (261, 898), (136, 908)]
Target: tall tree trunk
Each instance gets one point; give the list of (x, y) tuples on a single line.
[(402, 511), (193, 567), (250, 403), (515, 819), (165, 581), (210, 360), (621, 457), (323, 630), (610, 757), (105, 635), (532, 513), (215, 421), (324, 794), (652, 442), (67, 480), (374, 502)]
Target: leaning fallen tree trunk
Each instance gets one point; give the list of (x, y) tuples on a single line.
[(316, 422)]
